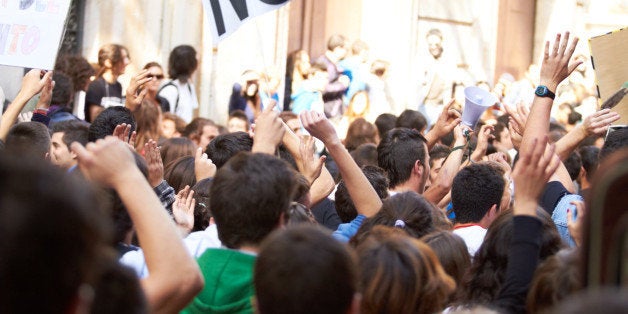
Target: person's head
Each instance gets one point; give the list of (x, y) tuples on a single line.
[(361, 49), (359, 105), (303, 270), (407, 211), (113, 58), (298, 64), (411, 119), (53, 236), (63, 134), (77, 68), (554, 280), (63, 92), (589, 157), (573, 163), (118, 290), (403, 154), (175, 148), (612, 300), (488, 270), (180, 173), (107, 120), (344, 205), (438, 154), (202, 212), (434, 39), (172, 125), (148, 120), (238, 122), (615, 140), (317, 77), (476, 194), (28, 139), (399, 274), (384, 123), (201, 131), (365, 155), (156, 73), (451, 252), (502, 137), (292, 120), (337, 45), (249, 197), (225, 146), (182, 63), (359, 132)]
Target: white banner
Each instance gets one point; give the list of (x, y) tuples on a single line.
[(30, 32), (225, 16)]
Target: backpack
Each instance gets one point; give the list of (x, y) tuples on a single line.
[(176, 105)]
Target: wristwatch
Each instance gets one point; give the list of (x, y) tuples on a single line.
[(543, 91)]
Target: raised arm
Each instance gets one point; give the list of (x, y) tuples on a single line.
[(363, 195), (448, 171), (595, 124), (269, 131), (32, 84), (447, 121), (174, 275)]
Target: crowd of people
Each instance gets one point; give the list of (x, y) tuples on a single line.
[(328, 202)]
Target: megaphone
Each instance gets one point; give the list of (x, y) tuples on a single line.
[(477, 100)]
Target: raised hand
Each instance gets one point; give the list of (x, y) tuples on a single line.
[(308, 165), (268, 131), (122, 132), (599, 122), (555, 66), (108, 161), (33, 82), (133, 98), (447, 121), (500, 158), (575, 225), (203, 166), (46, 92), (320, 127), (482, 144), (536, 165), (183, 209), (154, 162)]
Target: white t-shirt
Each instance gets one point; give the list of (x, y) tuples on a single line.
[(473, 237), (187, 100)]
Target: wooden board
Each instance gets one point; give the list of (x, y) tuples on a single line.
[(609, 55)]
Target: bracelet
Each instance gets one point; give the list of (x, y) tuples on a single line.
[(457, 148), (41, 111)]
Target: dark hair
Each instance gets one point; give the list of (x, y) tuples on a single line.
[(336, 41), (63, 91), (296, 270), (180, 173), (28, 139), (179, 124), (589, 157), (182, 63), (399, 274), (365, 155), (248, 196), (175, 148), (118, 291), (573, 163), (488, 270), (398, 151), (344, 205), (239, 114), (499, 128), (107, 120), (152, 64), (609, 299), (615, 141), (147, 118), (225, 146), (574, 117), (554, 280), (451, 252), (111, 52), (77, 68), (202, 212), (73, 131), (51, 243), (194, 129), (384, 123), (407, 211), (411, 119), (360, 131), (438, 151), (288, 115), (475, 189)]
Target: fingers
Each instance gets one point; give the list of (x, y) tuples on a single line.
[(556, 45), (80, 151), (189, 200), (563, 44), (268, 108), (546, 51), (127, 131)]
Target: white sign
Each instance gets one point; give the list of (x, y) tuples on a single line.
[(226, 16), (30, 32)]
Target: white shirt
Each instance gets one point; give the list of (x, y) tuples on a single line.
[(473, 237), (187, 99)]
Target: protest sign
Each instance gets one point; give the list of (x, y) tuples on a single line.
[(225, 16), (608, 55), (30, 32)]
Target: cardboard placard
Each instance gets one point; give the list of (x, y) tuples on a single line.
[(30, 32), (608, 55)]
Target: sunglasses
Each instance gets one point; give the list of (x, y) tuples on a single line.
[(158, 76)]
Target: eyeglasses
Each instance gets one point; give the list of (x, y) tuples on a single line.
[(157, 76)]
